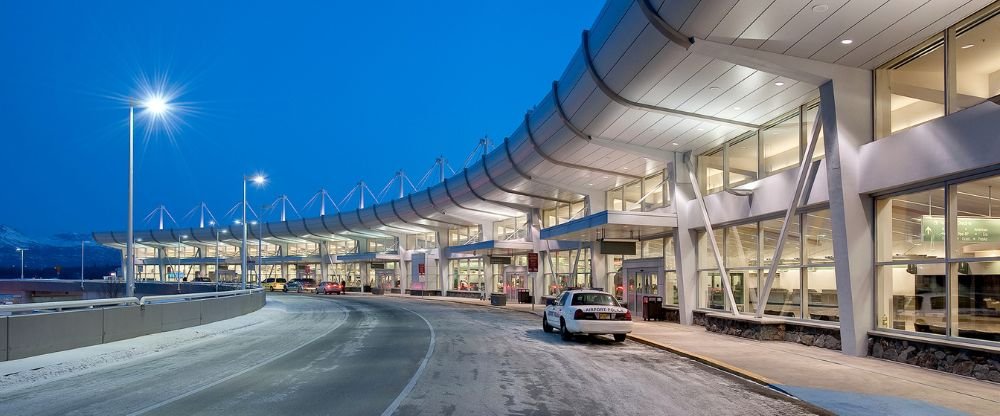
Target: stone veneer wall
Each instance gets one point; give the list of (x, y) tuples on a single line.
[(822, 337), (698, 318), (671, 314), (969, 362)]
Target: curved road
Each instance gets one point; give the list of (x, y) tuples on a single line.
[(367, 355)]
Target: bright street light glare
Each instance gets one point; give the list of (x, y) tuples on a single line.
[(156, 104), (259, 179)]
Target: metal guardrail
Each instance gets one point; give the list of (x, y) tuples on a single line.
[(145, 300), (71, 304), (93, 303)]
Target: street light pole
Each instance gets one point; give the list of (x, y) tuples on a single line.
[(129, 249), (22, 250), (260, 250), (243, 241), (82, 254)]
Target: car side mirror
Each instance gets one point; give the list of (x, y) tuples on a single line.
[(624, 305), (550, 301)]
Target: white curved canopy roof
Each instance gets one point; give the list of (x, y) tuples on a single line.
[(659, 96)]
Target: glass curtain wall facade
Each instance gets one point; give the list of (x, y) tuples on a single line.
[(460, 236), (938, 260), (640, 195), (563, 213), (647, 249), (468, 274), (804, 283), (515, 228), (562, 276), (953, 70), (756, 154)]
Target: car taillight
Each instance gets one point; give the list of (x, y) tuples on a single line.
[(628, 315), (578, 314)]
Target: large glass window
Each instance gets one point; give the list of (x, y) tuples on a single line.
[(468, 275), (977, 61), (710, 171), (641, 195), (741, 245), (921, 287), (563, 212), (770, 231), (741, 158), (915, 87), (653, 194), (800, 289), (807, 130), (911, 226), (780, 144), (818, 237)]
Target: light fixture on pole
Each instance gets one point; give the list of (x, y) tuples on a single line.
[(157, 105), (178, 273), (22, 250), (82, 256), (259, 180)]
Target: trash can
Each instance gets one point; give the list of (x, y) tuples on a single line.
[(498, 299), (652, 308), (523, 296)]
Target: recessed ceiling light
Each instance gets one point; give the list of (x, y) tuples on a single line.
[(779, 83), (590, 184), (624, 167), (967, 46), (820, 8), (604, 177), (846, 41), (700, 129), (675, 144), (713, 88), (736, 108)]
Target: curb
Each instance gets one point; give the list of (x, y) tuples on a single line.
[(747, 374)]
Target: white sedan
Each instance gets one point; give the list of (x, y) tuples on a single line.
[(587, 312)]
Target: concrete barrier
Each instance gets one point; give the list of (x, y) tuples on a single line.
[(3, 339), (29, 335), (42, 333), (129, 322)]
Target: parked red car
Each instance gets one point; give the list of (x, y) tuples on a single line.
[(327, 288)]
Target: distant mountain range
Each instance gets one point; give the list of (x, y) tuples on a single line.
[(43, 255)]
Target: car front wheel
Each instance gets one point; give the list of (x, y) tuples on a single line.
[(545, 325), (564, 333), (619, 337)]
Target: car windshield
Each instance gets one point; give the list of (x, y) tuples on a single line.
[(602, 299), (280, 280)]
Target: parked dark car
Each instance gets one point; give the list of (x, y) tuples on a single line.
[(300, 285)]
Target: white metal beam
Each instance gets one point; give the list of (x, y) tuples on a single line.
[(800, 69)]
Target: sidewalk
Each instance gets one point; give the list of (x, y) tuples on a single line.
[(840, 383)]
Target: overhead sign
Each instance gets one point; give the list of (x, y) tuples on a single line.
[(626, 248), (532, 262), (970, 229), (500, 260), (378, 266)]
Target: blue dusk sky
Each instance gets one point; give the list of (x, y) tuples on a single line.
[(315, 94)]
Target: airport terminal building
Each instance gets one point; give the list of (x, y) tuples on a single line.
[(810, 171)]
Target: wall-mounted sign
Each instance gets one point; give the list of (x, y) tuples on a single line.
[(532, 262), (377, 266), (500, 260), (421, 268), (970, 229)]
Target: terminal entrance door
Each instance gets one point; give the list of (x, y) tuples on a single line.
[(514, 278), (642, 277), (385, 278)]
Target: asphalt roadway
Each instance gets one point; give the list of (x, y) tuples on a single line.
[(370, 355)]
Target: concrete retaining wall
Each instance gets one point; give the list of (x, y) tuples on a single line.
[(29, 335)]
